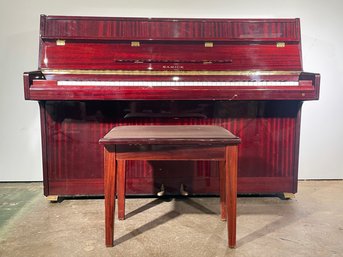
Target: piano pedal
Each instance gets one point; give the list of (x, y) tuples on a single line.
[(161, 192), (183, 192)]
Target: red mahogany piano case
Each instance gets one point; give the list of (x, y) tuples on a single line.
[(245, 75)]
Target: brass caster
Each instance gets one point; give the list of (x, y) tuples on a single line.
[(161, 192), (52, 198), (288, 196), (183, 192)]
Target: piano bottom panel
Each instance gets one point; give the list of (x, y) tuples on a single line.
[(138, 186), (72, 157)]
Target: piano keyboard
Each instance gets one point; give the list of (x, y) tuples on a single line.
[(177, 83)]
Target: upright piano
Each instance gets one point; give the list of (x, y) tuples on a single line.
[(245, 75)]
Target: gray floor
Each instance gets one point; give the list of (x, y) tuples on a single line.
[(309, 225)]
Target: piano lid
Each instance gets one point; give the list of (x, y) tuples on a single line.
[(143, 44)]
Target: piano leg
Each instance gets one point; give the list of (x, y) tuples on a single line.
[(121, 189)]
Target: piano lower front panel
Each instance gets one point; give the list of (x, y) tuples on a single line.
[(72, 157)]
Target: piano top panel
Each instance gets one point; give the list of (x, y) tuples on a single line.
[(106, 28), (102, 43)]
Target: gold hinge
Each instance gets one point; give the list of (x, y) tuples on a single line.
[(135, 43), (280, 44), (208, 44), (60, 42)]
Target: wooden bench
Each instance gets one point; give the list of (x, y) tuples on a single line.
[(211, 143)]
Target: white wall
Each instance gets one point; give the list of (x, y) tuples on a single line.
[(321, 149)]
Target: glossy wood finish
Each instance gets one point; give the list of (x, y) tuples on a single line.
[(75, 117), (159, 55), (121, 185), (111, 28), (45, 145), (202, 138), (231, 154), (103, 43), (164, 40), (267, 157), (222, 190), (110, 175), (48, 90)]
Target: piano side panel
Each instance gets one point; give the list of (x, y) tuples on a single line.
[(267, 156), (43, 124)]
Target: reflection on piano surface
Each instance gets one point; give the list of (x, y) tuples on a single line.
[(242, 74)]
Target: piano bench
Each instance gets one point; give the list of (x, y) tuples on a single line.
[(180, 142)]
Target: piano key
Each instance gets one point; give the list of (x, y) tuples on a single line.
[(178, 83)]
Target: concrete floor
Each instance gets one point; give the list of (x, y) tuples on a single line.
[(309, 225)]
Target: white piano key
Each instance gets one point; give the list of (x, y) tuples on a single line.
[(178, 83)]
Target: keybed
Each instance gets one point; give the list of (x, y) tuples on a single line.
[(178, 83)]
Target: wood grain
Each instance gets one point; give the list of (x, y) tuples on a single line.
[(110, 176), (231, 192)]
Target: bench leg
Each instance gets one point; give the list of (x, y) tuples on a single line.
[(222, 190), (231, 192), (110, 174), (121, 189)]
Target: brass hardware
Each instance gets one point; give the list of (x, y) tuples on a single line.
[(60, 42), (208, 44), (161, 192), (280, 44), (183, 192), (207, 62), (52, 198), (288, 195), (167, 72), (135, 44)]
